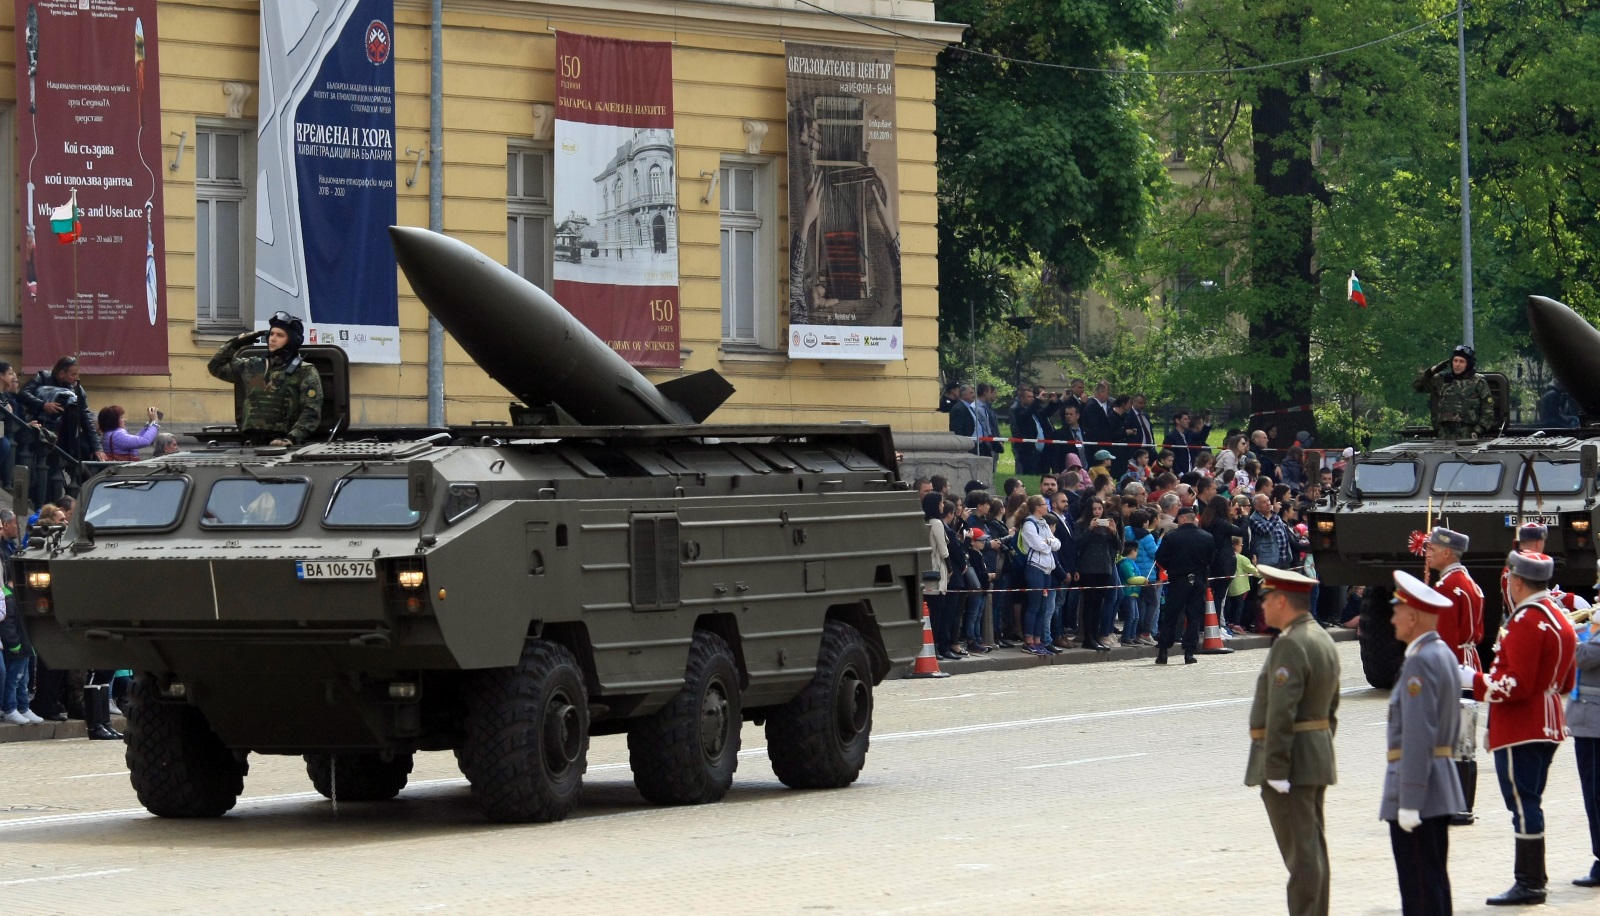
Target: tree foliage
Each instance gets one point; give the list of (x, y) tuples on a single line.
[(1375, 133), (1041, 162)]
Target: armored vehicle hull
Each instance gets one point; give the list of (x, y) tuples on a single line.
[(359, 602), (1360, 535)]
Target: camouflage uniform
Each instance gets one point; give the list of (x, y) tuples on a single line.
[(1466, 407), (283, 404)]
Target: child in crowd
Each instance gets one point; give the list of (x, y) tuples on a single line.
[(1239, 589)]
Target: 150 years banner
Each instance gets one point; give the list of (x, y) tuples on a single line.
[(844, 243), (89, 121), (325, 186), (616, 205)]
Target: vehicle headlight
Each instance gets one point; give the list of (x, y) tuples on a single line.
[(1325, 525), (39, 579), (1580, 524), (408, 578)]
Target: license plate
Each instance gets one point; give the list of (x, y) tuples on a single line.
[(333, 569), (1549, 521)]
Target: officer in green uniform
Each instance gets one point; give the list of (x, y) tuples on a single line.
[(282, 393), (1466, 406), (1292, 724)]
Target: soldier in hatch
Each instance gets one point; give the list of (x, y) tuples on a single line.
[(283, 394), (1465, 404)]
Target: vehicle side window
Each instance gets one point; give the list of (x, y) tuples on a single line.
[(139, 503), (370, 502), (267, 502), (1551, 477)]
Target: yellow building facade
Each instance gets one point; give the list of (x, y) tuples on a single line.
[(499, 92)]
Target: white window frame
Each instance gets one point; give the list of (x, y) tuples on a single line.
[(762, 221), (208, 191), (526, 210)]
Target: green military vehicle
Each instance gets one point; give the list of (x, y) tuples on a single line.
[(1483, 488), (503, 592)]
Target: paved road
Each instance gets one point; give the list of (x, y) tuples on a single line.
[(1111, 788)]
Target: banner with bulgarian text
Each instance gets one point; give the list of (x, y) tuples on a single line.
[(325, 196), (616, 202), (844, 191), (89, 130)]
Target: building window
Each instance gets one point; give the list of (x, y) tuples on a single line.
[(224, 228), (749, 312), (530, 227)]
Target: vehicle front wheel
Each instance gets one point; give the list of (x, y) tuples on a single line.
[(686, 753), (526, 741), (819, 739), (1382, 653), (358, 777), (178, 765)]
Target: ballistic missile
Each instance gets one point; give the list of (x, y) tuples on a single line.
[(1572, 348), (542, 354)]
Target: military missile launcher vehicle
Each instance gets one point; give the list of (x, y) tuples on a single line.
[(1484, 488), (501, 592)]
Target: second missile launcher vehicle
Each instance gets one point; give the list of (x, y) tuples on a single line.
[(501, 592), (1484, 488)]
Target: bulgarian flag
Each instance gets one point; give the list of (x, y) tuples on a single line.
[(65, 221), (1353, 291)]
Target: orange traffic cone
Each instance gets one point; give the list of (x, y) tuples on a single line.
[(1213, 639), (927, 663)]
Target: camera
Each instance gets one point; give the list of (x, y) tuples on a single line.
[(63, 396)]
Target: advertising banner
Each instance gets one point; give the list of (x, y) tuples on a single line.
[(844, 216), (89, 174), (325, 187), (616, 203)]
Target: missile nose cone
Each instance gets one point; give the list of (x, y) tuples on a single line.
[(1571, 346)]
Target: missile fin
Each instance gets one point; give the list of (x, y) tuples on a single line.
[(699, 394)]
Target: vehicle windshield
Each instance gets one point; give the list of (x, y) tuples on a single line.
[(268, 502), (371, 502), (1552, 477), (1460, 478), (1397, 479), (135, 503)]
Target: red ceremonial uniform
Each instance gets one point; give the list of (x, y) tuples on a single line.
[(1534, 667), (1461, 627)]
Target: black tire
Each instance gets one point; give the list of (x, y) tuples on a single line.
[(358, 777), (178, 765), (819, 739), (686, 752), (526, 742), (1381, 653)]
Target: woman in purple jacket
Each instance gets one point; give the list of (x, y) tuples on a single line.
[(121, 445)]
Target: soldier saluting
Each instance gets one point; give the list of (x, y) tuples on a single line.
[(1421, 792), (1460, 629), (283, 393), (1292, 724), (1532, 670), (1465, 405)]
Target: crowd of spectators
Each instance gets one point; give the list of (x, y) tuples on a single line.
[(1080, 563), (50, 429)]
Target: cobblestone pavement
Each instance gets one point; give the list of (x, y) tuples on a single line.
[(1109, 788)]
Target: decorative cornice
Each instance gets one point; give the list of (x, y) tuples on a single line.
[(857, 22)]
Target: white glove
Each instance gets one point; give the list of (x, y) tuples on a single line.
[(1281, 785), (1409, 819), (1466, 676)]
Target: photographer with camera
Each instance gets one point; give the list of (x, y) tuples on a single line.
[(122, 445), (56, 399), (283, 393)]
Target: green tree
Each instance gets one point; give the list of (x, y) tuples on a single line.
[(1042, 161)]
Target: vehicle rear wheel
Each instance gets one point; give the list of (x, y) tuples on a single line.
[(1381, 653), (178, 765), (819, 739), (358, 777), (686, 753), (526, 740)]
